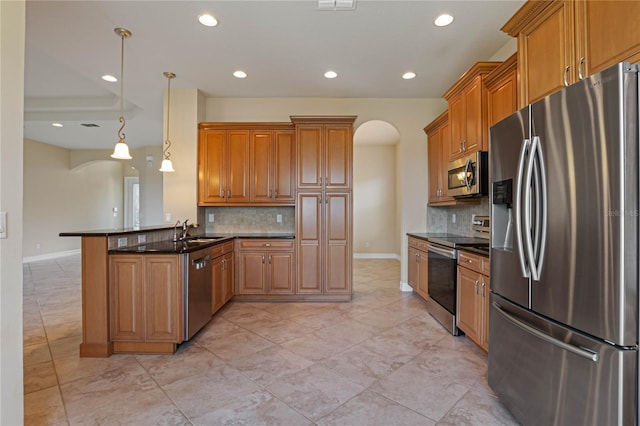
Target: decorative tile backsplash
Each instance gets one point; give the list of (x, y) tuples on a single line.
[(440, 219), (249, 219)]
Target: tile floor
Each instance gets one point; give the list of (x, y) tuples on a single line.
[(379, 360)]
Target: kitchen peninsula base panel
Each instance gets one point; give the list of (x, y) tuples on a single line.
[(144, 348), (96, 350)]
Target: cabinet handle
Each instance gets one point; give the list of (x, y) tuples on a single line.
[(263, 258), (228, 193), (476, 287), (483, 288), (566, 73), (580, 63), (224, 264), (275, 194), (464, 146), (270, 194), (269, 259)]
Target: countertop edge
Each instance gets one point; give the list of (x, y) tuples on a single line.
[(110, 232)]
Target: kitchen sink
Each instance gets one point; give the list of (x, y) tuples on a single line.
[(202, 239)]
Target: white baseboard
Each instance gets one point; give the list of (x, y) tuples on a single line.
[(405, 286), (50, 256), (376, 256)]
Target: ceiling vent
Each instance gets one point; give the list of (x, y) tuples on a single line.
[(89, 124), (336, 4)]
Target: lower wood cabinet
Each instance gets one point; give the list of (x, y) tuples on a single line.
[(418, 266), (266, 267), (146, 299), (472, 315), (223, 271)]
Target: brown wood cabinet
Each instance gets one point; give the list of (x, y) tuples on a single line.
[(246, 164), (146, 302), (472, 315), (223, 271), (324, 152), (437, 159), (502, 90), (272, 167), (418, 266), (468, 112), (323, 233), (560, 42), (266, 267)]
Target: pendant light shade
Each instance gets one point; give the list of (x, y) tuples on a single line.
[(167, 166), (121, 150)]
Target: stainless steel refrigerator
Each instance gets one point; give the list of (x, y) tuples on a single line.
[(563, 340)]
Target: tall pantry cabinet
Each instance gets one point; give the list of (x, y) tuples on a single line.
[(324, 205)]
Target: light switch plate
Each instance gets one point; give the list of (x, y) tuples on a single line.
[(3, 224)]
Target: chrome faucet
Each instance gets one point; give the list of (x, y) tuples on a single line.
[(175, 231), (185, 229)]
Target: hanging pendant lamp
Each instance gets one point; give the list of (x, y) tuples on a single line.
[(121, 150), (167, 166)]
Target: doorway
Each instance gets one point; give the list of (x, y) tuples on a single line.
[(131, 202)]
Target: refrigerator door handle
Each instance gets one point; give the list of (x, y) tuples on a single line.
[(528, 228), (541, 236), (585, 353), (518, 213), (535, 177)]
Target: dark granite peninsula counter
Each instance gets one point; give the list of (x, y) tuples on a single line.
[(133, 284)]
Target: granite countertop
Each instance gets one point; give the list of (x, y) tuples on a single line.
[(115, 231), (193, 244)]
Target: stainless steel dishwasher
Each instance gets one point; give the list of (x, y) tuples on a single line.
[(197, 291)]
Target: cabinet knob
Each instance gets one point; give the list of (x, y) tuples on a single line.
[(267, 244)]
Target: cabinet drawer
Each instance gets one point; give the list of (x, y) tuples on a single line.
[(470, 260), (418, 243), (222, 248), (266, 244), (484, 263)]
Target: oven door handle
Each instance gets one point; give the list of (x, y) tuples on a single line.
[(448, 253)]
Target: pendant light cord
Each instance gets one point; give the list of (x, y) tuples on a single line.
[(167, 141), (121, 135)]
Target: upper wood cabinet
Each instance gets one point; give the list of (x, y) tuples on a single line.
[(560, 42), (223, 166), (246, 163), (438, 136), (468, 112), (324, 152), (272, 166), (502, 90)]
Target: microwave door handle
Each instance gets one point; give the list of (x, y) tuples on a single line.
[(518, 213), (541, 201), (467, 182)]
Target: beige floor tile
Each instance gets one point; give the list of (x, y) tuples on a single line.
[(34, 354), (266, 366), (62, 348), (280, 331), (72, 368), (39, 376), (44, 407), (64, 330), (236, 345), (372, 409), (477, 407), (315, 348)]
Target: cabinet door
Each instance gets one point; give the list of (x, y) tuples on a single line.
[(164, 299), (545, 49), (485, 308), (467, 315), (284, 169), (338, 154), (126, 282), (228, 276), (238, 170), (211, 169), (261, 187), (475, 117), (281, 273), (309, 240), (457, 126), (433, 165), (252, 273), (337, 207), (502, 98), (445, 141), (607, 33), (310, 156), (218, 284), (423, 272), (414, 263)]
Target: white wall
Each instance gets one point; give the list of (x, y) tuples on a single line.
[(59, 199), (12, 38), (374, 200)]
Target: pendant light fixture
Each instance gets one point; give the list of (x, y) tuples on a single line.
[(167, 166), (121, 150)]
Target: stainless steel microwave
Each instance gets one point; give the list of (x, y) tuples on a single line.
[(467, 176)]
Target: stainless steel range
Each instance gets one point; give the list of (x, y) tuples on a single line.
[(442, 270)]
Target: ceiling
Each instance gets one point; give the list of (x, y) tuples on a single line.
[(284, 46)]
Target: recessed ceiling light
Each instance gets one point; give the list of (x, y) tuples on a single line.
[(443, 20), (330, 74), (89, 125), (109, 78), (239, 74), (409, 75), (57, 124), (208, 20)]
